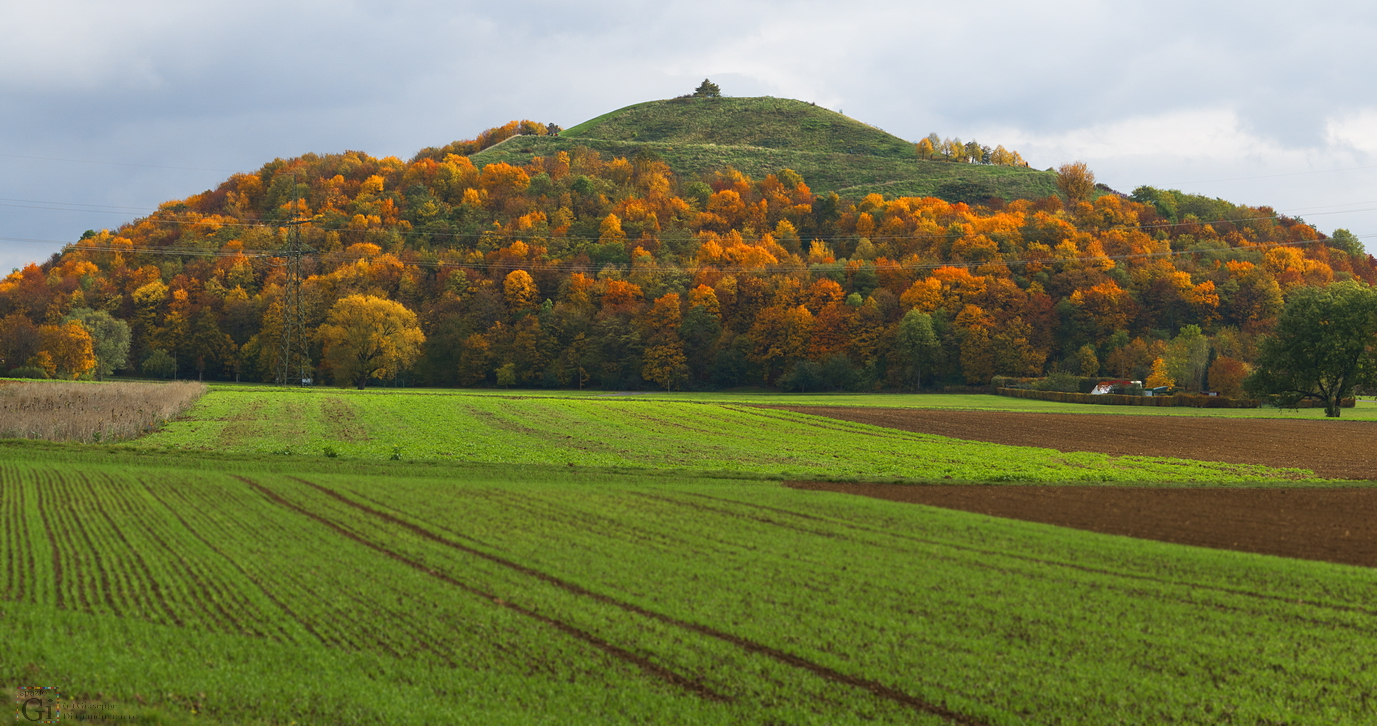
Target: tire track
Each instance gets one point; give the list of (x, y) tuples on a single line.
[(1068, 565), (644, 664), (874, 687)]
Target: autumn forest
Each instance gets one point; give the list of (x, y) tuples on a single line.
[(582, 271)]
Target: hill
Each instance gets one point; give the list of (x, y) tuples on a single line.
[(760, 136), (772, 123), (651, 264)]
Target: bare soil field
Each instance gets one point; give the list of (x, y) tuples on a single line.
[(1332, 525), (1331, 449), (1328, 524)]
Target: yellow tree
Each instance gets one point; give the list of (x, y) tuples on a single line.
[(69, 348), (368, 337), (666, 365), (1159, 376), (977, 351), (520, 289)]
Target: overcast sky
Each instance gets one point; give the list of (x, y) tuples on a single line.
[(109, 108)]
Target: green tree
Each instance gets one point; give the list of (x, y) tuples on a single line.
[(1085, 361), (1324, 345), (159, 363), (369, 337), (210, 346), (1348, 242), (918, 344), (109, 339), (708, 89), (1188, 357), (506, 375)]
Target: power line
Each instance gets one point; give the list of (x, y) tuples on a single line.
[(80, 204), (116, 163), (565, 267), (1275, 176)]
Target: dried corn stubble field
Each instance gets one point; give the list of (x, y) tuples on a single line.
[(90, 412)]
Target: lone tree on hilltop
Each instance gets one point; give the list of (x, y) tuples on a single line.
[(1324, 345), (708, 89), (1076, 181)]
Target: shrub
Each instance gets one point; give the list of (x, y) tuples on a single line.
[(28, 372)]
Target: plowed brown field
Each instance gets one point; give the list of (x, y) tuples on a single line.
[(1333, 525), (1331, 449), (1329, 524)]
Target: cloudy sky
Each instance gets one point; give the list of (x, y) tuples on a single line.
[(109, 108)]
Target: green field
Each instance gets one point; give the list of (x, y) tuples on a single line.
[(588, 559), (630, 432), (274, 590)]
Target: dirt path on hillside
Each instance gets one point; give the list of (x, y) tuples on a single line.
[(1330, 524), (1332, 449)]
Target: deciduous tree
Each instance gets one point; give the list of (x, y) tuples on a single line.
[(68, 346), (1076, 181), (109, 339), (918, 344), (1324, 345), (369, 337)]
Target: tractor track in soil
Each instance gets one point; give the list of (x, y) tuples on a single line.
[(874, 687), (1331, 524)]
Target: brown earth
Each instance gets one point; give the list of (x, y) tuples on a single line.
[(1329, 524), (1332, 449)]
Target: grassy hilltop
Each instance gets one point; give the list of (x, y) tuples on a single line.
[(760, 136)]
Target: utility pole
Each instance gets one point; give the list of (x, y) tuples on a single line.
[(294, 364)]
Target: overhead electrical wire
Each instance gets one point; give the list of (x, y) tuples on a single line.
[(524, 235), (566, 267)]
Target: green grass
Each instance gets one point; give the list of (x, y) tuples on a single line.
[(850, 175), (639, 432), (760, 136), (1366, 409), (764, 122), (278, 589), (666, 577)]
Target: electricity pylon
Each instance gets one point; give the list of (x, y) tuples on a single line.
[(294, 363)]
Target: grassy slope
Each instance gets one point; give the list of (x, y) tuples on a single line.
[(333, 591), (760, 136), (635, 432), (774, 123)]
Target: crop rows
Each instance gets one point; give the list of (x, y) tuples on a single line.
[(642, 434), (955, 610), (697, 601)]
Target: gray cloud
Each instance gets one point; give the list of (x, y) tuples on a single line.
[(1167, 92)]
